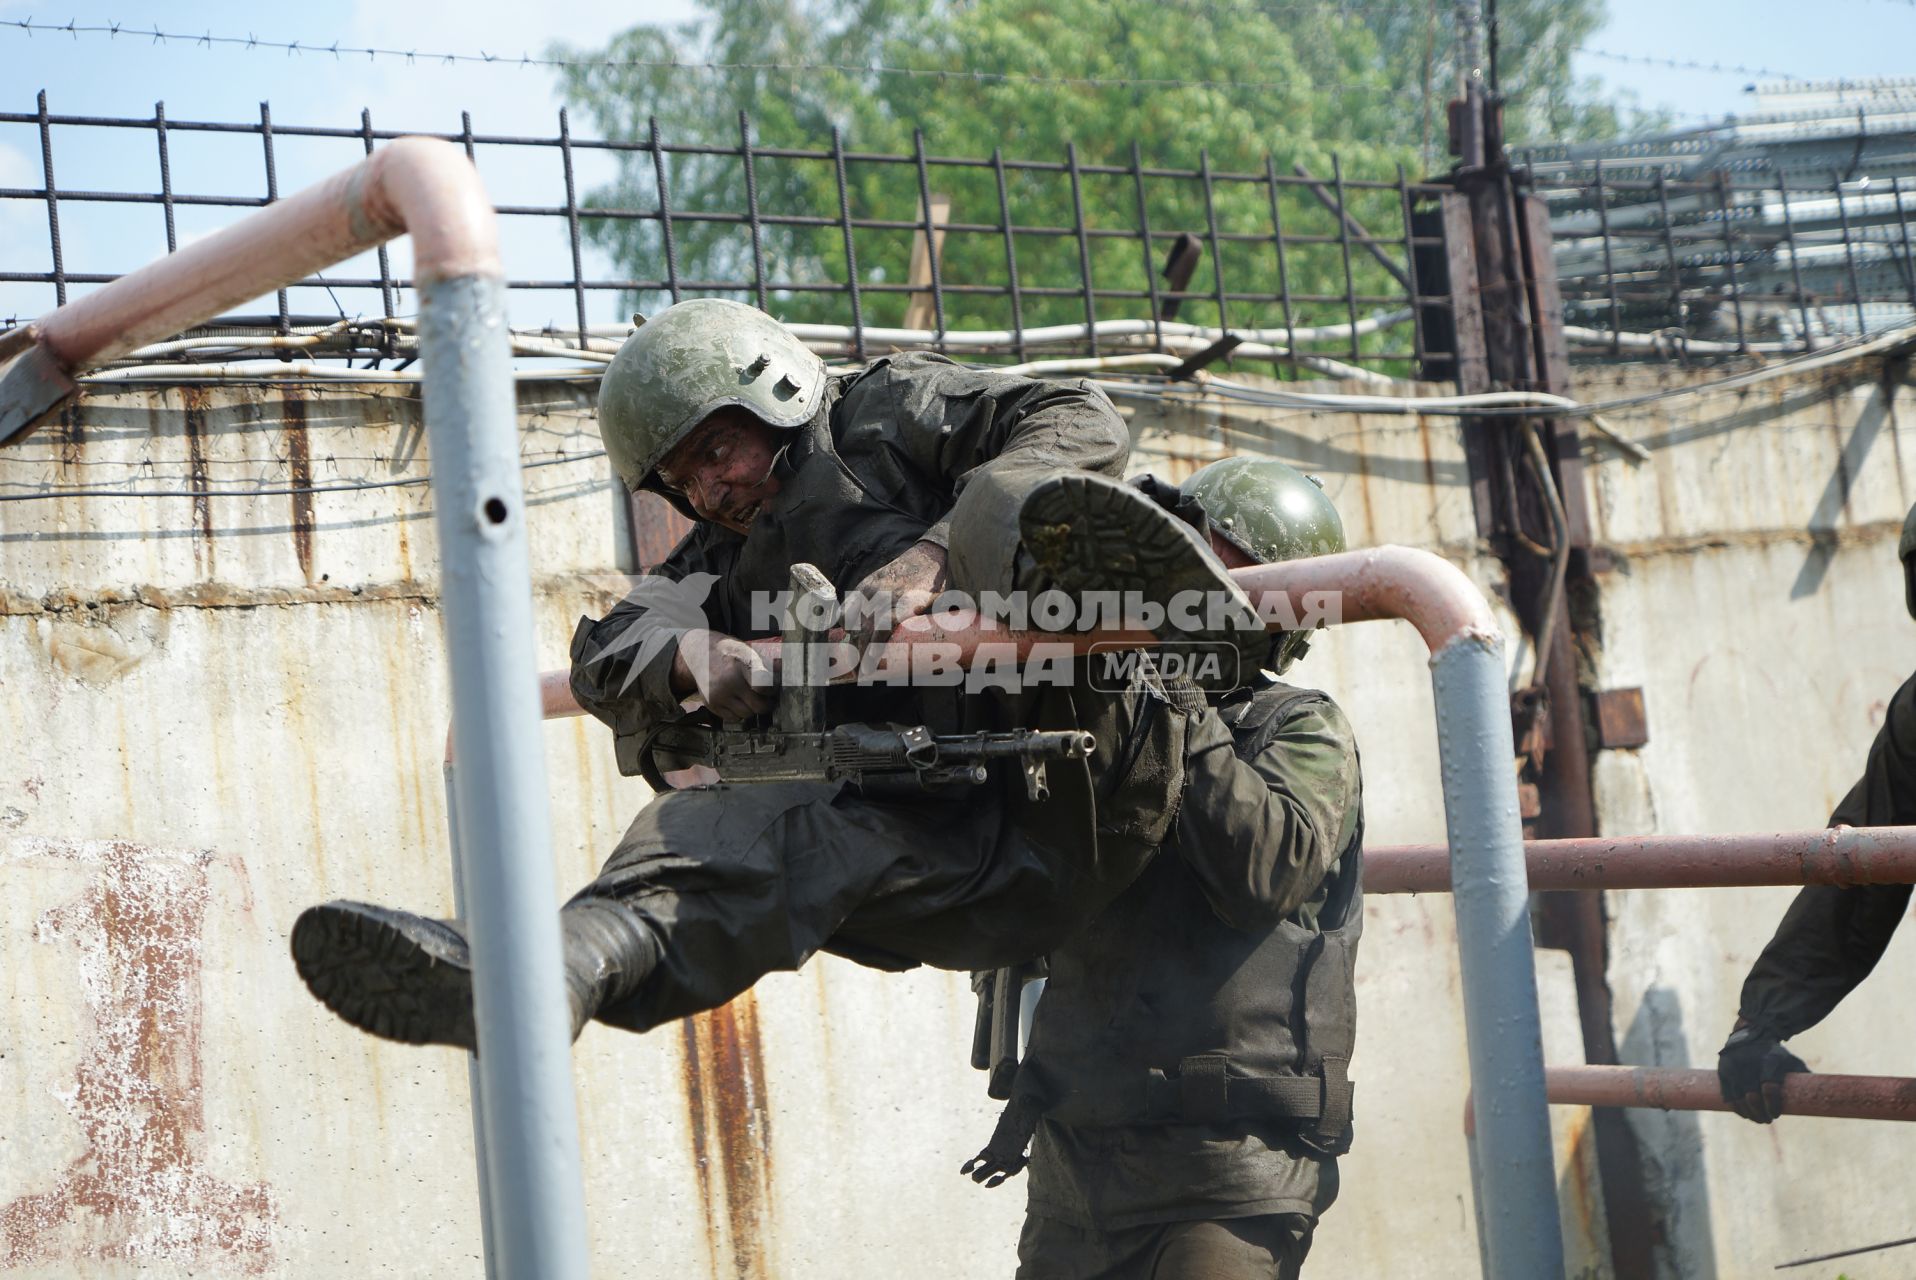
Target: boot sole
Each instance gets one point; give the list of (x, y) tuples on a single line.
[(1090, 534), (385, 973)]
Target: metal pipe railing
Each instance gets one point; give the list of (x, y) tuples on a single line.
[(1696, 1089), (528, 1121), (1836, 855)]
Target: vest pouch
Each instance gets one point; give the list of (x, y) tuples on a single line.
[(1326, 1033)]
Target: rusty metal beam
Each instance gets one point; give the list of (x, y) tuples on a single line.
[(1838, 856), (1696, 1089)]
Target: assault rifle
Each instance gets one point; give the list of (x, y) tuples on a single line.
[(876, 758)]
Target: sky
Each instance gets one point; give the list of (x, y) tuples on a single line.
[(127, 74)]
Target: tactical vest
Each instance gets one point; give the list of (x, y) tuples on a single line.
[(1158, 1013)]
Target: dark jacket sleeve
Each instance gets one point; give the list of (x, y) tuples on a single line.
[(1260, 835), (956, 426), (622, 663), (1832, 937)]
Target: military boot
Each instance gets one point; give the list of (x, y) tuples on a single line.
[(408, 977), (1087, 533)]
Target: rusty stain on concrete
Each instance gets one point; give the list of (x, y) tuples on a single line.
[(193, 416), (299, 461), (731, 1135), (140, 1191), (89, 651)]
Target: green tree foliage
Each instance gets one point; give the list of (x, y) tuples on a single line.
[(1261, 85)]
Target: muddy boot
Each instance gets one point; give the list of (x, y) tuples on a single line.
[(1087, 533), (408, 977)]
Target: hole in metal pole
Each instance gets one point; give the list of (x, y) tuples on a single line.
[(495, 510)]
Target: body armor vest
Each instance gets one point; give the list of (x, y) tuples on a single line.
[(1158, 1013)]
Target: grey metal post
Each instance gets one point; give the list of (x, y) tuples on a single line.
[(529, 1116), (1477, 1195), (475, 1081), (1517, 1205)]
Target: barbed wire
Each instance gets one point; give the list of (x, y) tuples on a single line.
[(1679, 64), (525, 60)]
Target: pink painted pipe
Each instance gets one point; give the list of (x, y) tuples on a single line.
[(555, 701), (1353, 586), (411, 185), (1838, 856)]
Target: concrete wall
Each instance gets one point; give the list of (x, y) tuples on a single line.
[(221, 709)]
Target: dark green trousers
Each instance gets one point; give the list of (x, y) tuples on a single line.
[(1265, 1248)]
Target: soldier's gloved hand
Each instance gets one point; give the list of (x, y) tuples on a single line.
[(1750, 1070), (905, 588), (724, 672)]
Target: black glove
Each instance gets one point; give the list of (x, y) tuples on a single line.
[(1750, 1070)]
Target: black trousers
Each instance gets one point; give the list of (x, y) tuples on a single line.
[(1264, 1248), (737, 881)]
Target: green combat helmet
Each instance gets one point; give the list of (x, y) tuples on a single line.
[(1906, 551), (694, 358), (1270, 511)]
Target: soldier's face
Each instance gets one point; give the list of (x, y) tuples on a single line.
[(724, 469)]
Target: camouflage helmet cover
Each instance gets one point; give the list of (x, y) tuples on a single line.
[(1267, 509), (1906, 552), (1270, 511), (690, 360)]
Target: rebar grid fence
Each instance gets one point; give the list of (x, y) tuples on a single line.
[(1069, 255), (1747, 258)]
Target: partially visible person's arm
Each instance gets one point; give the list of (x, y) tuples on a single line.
[(1261, 835)]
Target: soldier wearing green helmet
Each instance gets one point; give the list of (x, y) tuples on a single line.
[(1185, 1093), (896, 481), (1831, 937)]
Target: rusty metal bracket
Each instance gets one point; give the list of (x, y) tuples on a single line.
[(1186, 252), (1621, 724), (1210, 355)]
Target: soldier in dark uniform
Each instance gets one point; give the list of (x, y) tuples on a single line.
[(1830, 937), (904, 478), (1187, 1079)]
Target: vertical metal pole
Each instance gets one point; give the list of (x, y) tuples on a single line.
[(931, 241), (465, 136), (1849, 256), (665, 211), (166, 177), (53, 204), (1476, 1190), (272, 195), (1210, 221), (1011, 256), (1609, 267), (1669, 252), (1729, 251), (1796, 268), (1410, 270), (751, 208), (572, 224), (1902, 219), (386, 298), (475, 1079), (530, 1116), (851, 252), (1490, 892), (1084, 247), (1144, 236), (1283, 269), (1344, 242)]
